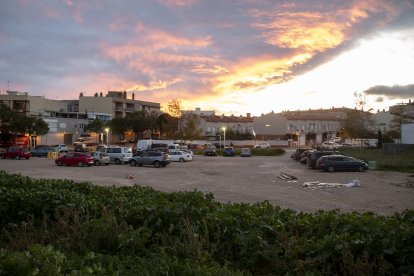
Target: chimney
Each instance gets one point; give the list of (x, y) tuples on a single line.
[(133, 96), (248, 115), (101, 94), (125, 95)]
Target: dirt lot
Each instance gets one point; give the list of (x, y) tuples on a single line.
[(236, 179)]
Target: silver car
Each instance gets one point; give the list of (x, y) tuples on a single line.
[(100, 158), (151, 157)]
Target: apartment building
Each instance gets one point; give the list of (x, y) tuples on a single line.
[(67, 118), (213, 126), (306, 127), (116, 104)]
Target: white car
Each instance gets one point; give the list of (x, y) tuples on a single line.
[(62, 148), (263, 145), (180, 156), (329, 145)]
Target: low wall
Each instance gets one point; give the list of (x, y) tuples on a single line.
[(396, 148)]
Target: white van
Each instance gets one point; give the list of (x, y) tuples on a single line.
[(173, 147), (144, 144), (118, 155)]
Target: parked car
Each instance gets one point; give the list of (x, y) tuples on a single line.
[(180, 156), (75, 158), (100, 158), (305, 155), (262, 145), (155, 158), (118, 155), (346, 145), (16, 153), (298, 152), (188, 151), (210, 151), (329, 145), (228, 151), (80, 148), (333, 163), (245, 152), (40, 151), (63, 148), (314, 156), (99, 147)]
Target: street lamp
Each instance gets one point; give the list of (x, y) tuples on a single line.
[(107, 135), (254, 134), (224, 140)]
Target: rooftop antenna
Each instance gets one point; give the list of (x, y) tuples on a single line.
[(8, 85)]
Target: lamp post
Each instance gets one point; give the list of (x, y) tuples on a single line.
[(219, 140), (254, 134), (107, 135), (224, 139)]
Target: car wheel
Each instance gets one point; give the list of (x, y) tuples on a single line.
[(157, 164), (17, 157), (133, 163), (117, 161), (360, 168), (58, 163), (96, 163), (181, 160), (331, 169), (80, 164), (106, 164)]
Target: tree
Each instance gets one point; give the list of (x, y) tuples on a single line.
[(14, 122), (137, 122), (40, 127), (95, 126), (357, 124), (169, 126), (189, 127), (118, 125), (174, 108)]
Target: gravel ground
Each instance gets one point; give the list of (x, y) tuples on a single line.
[(237, 179)]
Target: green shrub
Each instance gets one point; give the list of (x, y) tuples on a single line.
[(60, 227)]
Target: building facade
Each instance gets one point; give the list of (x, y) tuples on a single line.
[(67, 118)]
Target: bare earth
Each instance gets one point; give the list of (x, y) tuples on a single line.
[(251, 180)]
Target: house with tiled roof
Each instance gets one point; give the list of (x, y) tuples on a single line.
[(212, 126), (303, 127)]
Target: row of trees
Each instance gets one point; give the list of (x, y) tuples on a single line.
[(172, 124), (14, 122)]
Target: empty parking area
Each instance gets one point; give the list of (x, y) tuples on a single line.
[(237, 179)]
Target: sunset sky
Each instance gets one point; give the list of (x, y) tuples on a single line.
[(231, 56)]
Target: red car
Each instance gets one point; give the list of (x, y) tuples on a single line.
[(75, 158), (16, 153)]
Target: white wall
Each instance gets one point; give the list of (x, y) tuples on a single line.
[(407, 133)]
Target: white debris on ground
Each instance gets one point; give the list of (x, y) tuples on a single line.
[(317, 184)]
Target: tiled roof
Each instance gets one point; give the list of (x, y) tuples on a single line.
[(227, 119), (310, 117)]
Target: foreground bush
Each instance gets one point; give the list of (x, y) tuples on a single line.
[(56, 227)]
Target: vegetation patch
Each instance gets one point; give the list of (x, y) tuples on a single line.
[(57, 227), (403, 162)]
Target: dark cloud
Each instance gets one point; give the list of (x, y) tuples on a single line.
[(392, 92), (186, 47)]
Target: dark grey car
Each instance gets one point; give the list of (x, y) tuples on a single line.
[(333, 163), (152, 158)]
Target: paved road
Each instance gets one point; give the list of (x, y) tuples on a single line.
[(236, 179)]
